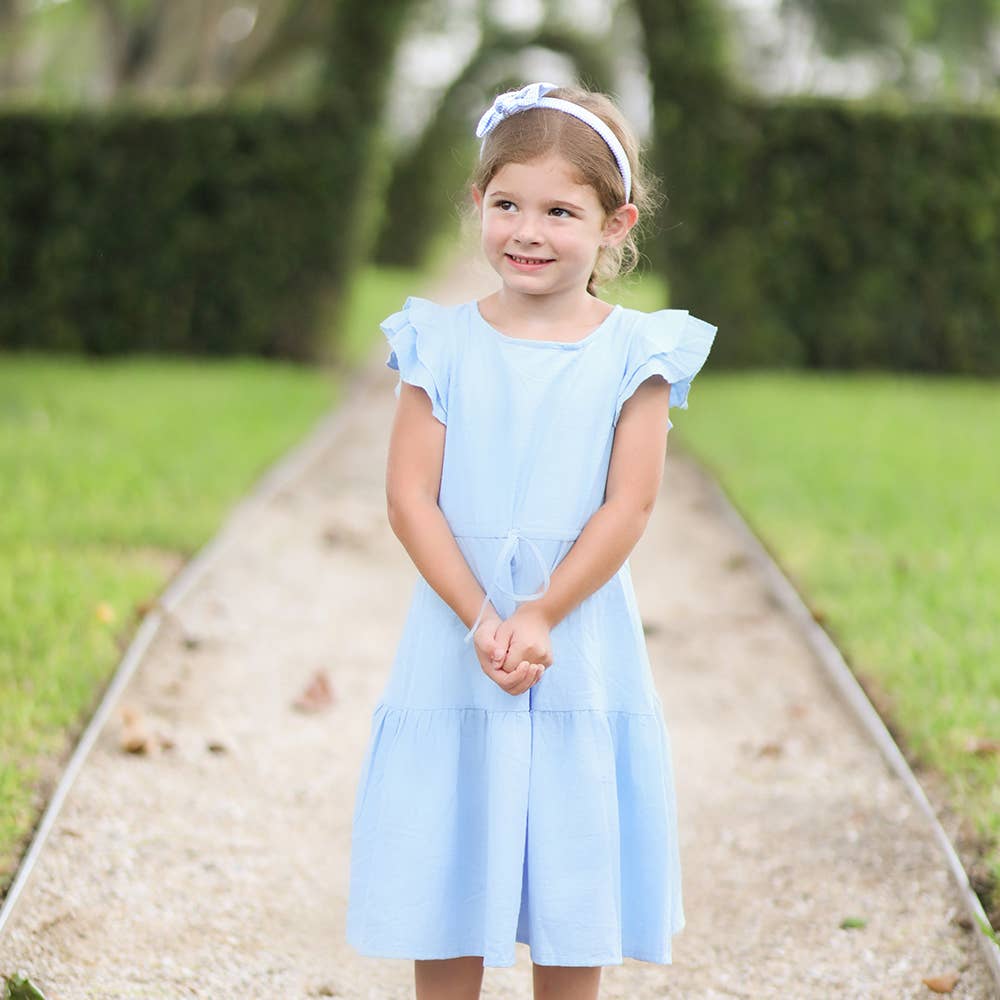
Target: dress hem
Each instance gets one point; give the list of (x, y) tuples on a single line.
[(516, 711), (664, 957)]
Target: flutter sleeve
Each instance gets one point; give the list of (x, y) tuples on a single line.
[(419, 339), (671, 343)]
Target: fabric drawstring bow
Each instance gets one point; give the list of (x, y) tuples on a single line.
[(533, 96), (503, 558)]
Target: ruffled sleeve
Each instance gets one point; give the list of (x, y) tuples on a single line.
[(671, 343), (419, 338)]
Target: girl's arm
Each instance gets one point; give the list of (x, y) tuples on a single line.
[(634, 476), (412, 484)]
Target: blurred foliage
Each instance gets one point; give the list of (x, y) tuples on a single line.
[(961, 33), (223, 230), (103, 51), (822, 232), (264, 233), (100, 51), (202, 232), (832, 234)]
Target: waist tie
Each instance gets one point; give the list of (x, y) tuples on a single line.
[(506, 551)]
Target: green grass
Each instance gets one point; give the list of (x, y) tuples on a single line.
[(377, 293), (642, 289), (113, 473), (879, 497)]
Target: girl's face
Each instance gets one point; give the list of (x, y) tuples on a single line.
[(541, 229)]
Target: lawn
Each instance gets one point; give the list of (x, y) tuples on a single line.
[(878, 495), (113, 473)]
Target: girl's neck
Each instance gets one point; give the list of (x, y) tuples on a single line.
[(516, 312)]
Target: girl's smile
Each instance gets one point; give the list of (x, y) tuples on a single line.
[(528, 263)]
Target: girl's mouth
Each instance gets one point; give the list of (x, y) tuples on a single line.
[(528, 263)]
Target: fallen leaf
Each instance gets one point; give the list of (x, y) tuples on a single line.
[(346, 535), (216, 746), (944, 983), (853, 923), (105, 612), (134, 736), (770, 750), (317, 695), (142, 608), (982, 746)]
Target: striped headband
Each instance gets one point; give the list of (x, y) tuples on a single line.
[(532, 96)]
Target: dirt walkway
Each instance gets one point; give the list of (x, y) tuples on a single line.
[(223, 874)]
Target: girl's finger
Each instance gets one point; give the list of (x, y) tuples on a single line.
[(523, 672)]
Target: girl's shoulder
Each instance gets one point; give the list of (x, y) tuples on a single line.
[(672, 343), (660, 324), (423, 312), (420, 337)]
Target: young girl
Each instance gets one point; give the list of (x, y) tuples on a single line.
[(518, 783)]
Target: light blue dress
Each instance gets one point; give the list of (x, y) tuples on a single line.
[(483, 818)]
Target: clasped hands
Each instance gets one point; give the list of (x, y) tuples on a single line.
[(514, 652)]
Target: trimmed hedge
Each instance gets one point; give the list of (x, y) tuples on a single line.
[(832, 234), (202, 232)]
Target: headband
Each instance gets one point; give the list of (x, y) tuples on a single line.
[(532, 96)]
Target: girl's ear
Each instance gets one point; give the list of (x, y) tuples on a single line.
[(477, 196), (618, 224)]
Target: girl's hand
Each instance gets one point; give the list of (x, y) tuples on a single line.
[(526, 637), (492, 651)]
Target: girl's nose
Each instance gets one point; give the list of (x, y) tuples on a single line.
[(527, 231)]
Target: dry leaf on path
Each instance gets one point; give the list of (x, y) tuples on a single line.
[(135, 737), (944, 983), (982, 746), (317, 695), (143, 607)]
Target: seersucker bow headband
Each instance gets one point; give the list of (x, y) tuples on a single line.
[(533, 96)]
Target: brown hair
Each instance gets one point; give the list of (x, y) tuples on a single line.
[(537, 132)]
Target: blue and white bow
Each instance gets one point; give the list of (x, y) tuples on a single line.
[(510, 103), (533, 96)]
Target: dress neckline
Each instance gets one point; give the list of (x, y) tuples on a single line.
[(567, 344)]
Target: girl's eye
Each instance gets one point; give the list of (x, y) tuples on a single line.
[(503, 203), (566, 210)]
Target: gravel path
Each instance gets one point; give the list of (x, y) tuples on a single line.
[(222, 873)]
